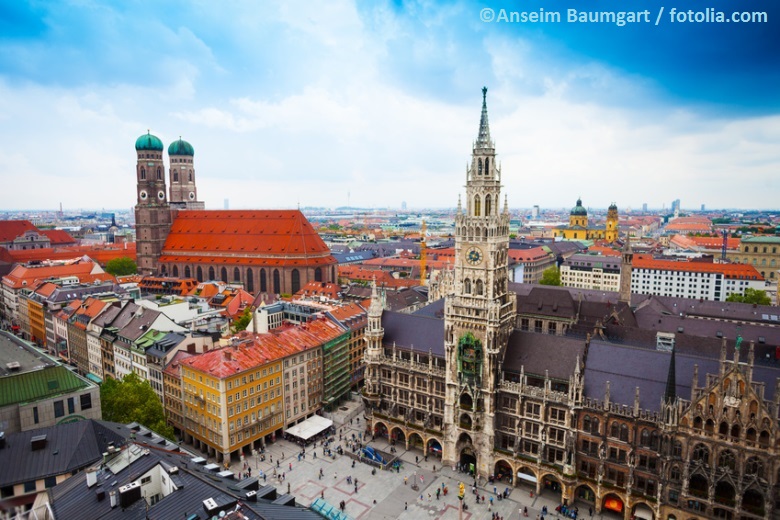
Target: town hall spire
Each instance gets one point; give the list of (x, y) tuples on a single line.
[(483, 139)]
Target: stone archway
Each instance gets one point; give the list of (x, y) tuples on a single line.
[(613, 503), (380, 429), (585, 494), (642, 511), (552, 484), (415, 441), (397, 437), (433, 447), (502, 471), (467, 455), (527, 477)]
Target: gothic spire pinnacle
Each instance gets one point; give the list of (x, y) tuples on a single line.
[(483, 139), (670, 393)]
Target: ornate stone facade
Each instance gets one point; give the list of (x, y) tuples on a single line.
[(526, 386)]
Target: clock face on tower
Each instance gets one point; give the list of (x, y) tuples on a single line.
[(143, 194), (474, 256), (192, 195), (161, 195)]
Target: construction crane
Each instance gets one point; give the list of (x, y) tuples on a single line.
[(423, 253)]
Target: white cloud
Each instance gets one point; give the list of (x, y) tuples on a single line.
[(339, 120)]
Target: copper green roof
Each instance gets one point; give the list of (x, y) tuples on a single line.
[(579, 209), (180, 147), (38, 385), (762, 239), (149, 142)]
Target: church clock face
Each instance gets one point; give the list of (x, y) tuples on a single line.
[(161, 195), (192, 195), (474, 256), (143, 194)]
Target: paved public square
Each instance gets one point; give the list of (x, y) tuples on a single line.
[(384, 495)]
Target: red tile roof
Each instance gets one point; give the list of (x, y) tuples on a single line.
[(604, 250), (529, 255), (11, 229), (253, 350), (58, 236), (99, 253), (173, 368), (733, 271), (23, 276), (328, 290), (254, 237)]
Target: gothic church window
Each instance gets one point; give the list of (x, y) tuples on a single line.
[(318, 275), (224, 275), (479, 166), (487, 166), (277, 284), (477, 206), (754, 466), (175, 176), (467, 286), (727, 460), (478, 288), (250, 281), (189, 176), (186, 271), (488, 206), (175, 271), (199, 274), (143, 174), (212, 276), (236, 274), (295, 281), (263, 285), (701, 454), (159, 174)]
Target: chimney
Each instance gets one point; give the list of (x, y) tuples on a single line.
[(227, 355)]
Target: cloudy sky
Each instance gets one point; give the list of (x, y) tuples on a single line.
[(376, 103)]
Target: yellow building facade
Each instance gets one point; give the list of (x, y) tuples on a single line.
[(579, 227), (232, 399)]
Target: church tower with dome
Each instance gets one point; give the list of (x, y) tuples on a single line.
[(152, 211), (183, 192), (580, 228)]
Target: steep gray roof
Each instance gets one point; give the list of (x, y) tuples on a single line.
[(539, 352), (69, 447), (412, 331), (627, 367)]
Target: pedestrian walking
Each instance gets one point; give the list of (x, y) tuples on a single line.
[(406, 506)]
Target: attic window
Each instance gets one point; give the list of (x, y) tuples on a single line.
[(680, 330), (761, 339), (719, 334)]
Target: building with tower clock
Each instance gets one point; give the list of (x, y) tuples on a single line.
[(622, 403)]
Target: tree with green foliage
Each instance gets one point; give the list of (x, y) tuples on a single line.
[(242, 322), (551, 276), (121, 266), (132, 399), (754, 296)]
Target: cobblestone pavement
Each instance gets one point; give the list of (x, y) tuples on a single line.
[(384, 495)]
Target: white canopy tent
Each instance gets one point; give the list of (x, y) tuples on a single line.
[(310, 427)]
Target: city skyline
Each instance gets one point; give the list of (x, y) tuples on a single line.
[(301, 105)]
